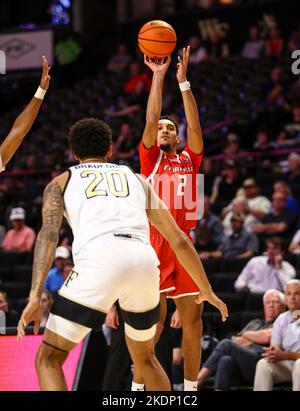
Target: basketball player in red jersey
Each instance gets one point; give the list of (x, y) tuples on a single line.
[(158, 160), (25, 120)]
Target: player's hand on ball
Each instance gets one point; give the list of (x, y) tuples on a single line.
[(45, 79), (215, 301), (157, 65), (182, 65)]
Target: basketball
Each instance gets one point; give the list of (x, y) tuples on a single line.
[(157, 39)]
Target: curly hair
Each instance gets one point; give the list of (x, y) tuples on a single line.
[(90, 137)]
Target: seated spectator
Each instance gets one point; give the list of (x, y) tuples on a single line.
[(291, 202), (238, 357), (55, 277), (127, 144), (119, 61), (278, 222), (21, 237), (294, 246), (293, 175), (267, 271), (239, 244), (225, 187), (11, 317), (216, 47), (208, 227), (253, 47), (275, 43), (197, 52), (262, 142), (293, 129), (46, 305), (273, 87), (294, 42), (232, 145), (239, 205), (283, 141), (138, 80), (259, 206), (282, 358), (208, 169)]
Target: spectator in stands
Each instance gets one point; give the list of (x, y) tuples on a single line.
[(232, 145), (266, 271), (291, 202), (225, 187), (293, 175), (138, 80), (21, 237), (55, 277), (68, 267), (11, 318), (262, 142), (294, 42), (283, 141), (198, 52), (127, 144), (208, 227), (253, 47), (239, 205), (240, 244), (238, 357), (282, 358), (293, 129), (216, 47), (294, 246), (273, 87), (279, 221), (274, 43), (46, 304), (119, 61), (259, 206), (208, 169)]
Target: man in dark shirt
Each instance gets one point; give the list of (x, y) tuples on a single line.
[(279, 222), (240, 244), (11, 318)]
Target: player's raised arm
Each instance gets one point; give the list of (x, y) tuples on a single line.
[(154, 101), (25, 120), (194, 133), (44, 252), (161, 218)]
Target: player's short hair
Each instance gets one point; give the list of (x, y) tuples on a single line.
[(170, 119), (90, 137)]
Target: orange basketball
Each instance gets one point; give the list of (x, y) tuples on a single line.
[(157, 39)]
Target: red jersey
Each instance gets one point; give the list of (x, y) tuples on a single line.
[(174, 177)]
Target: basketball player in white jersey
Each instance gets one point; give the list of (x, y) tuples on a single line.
[(25, 120), (108, 208)]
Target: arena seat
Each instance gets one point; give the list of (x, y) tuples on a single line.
[(16, 290), (254, 302)]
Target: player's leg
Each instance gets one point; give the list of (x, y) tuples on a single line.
[(143, 356), (61, 335), (137, 380), (190, 314)]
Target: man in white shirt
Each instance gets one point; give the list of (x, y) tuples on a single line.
[(282, 358), (25, 120), (264, 272)]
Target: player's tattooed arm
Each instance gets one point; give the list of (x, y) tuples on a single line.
[(47, 239)]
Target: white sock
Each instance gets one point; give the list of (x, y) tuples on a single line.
[(137, 387), (190, 385)]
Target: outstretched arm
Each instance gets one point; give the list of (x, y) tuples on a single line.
[(44, 252), (161, 218), (194, 133), (154, 101), (24, 121)]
